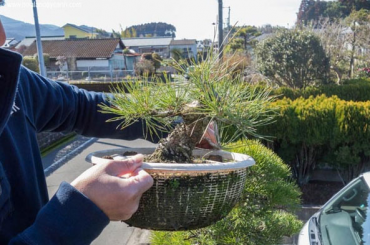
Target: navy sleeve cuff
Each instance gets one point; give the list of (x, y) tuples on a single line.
[(68, 218)]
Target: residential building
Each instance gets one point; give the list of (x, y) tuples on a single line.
[(10, 43), (204, 45), (72, 31), (83, 54), (188, 47), (159, 45), (27, 41)]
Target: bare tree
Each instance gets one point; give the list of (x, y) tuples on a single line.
[(346, 42)]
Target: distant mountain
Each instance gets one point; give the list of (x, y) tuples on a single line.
[(19, 30)]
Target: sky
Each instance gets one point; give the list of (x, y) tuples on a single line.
[(193, 19)]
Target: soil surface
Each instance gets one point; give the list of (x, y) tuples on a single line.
[(212, 158), (319, 192)]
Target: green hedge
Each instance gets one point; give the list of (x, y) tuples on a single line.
[(264, 214), (31, 63), (355, 90), (322, 130)]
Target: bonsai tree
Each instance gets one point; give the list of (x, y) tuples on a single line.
[(212, 95)]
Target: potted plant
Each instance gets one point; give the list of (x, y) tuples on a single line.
[(194, 195)]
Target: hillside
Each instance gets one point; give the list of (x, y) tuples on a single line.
[(153, 29), (18, 29)]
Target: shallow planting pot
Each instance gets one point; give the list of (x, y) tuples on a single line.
[(187, 196)]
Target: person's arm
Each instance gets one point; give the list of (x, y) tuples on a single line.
[(60, 107), (79, 212)]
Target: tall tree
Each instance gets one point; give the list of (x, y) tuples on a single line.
[(313, 10), (351, 5), (154, 29), (302, 10), (359, 22), (133, 32)]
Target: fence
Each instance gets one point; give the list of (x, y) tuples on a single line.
[(90, 75)]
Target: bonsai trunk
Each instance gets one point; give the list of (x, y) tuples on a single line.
[(180, 143)]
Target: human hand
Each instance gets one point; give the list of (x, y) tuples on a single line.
[(117, 197), (210, 138)]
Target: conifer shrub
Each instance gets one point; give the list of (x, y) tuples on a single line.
[(322, 131), (355, 90)]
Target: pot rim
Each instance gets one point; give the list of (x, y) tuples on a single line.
[(239, 160)]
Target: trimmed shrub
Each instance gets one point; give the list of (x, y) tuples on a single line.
[(45, 56), (322, 130), (355, 90), (264, 214), (31, 63), (293, 58)]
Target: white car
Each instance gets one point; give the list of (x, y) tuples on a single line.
[(344, 219)]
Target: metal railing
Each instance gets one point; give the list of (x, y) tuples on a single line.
[(90, 75)]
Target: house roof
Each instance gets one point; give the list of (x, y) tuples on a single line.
[(153, 41), (10, 43), (81, 28), (78, 48), (27, 41), (184, 42), (263, 36)]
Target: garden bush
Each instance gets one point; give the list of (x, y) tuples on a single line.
[(31, 63), (322, 130), (154, 58), (264, 214), (144, 68), (354, 89), (293, 58)]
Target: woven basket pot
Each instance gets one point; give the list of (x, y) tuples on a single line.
[(186, 196)]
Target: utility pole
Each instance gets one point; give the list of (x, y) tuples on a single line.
[(220, 29), (228, 27), (38, 40), (228, 20)]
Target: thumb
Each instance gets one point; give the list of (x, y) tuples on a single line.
[(125, 167)]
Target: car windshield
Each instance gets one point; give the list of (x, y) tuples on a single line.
[(346, 219)]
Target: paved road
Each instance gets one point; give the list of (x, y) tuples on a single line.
[(68, 161)]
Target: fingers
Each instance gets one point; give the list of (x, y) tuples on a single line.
[(138, 183), (125, 167), (142, 179)]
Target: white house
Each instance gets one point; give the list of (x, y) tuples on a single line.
[(159, 45), (188, 47), (83, 54), (10, 43)]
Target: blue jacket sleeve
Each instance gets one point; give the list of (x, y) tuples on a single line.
[(68, 218), (60, 107)]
